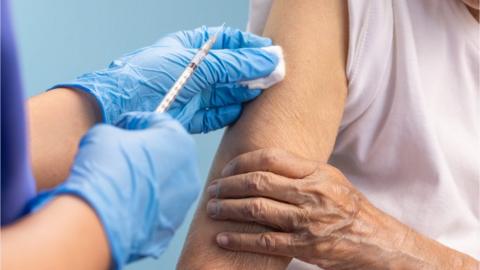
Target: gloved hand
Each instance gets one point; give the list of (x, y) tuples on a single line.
[(212, 97), (140, 179)]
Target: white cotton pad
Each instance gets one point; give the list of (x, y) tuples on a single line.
[(276, 76)]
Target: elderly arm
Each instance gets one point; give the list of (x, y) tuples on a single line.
[(301, 115)]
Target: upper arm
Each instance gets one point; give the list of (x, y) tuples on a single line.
[(302, 114)]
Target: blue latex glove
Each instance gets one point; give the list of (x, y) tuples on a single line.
[(212, 97), (140, 179)]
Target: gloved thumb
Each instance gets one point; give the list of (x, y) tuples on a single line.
[(145, 120)]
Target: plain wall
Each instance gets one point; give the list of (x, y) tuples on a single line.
[(61, 39)]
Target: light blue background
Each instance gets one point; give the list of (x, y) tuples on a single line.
[(60, 39)]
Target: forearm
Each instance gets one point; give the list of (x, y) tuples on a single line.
[(424, 253), (57, 121), (66, 234), (286, 116), (390, 244)]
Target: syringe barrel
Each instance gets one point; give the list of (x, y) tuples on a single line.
[(173, 92)]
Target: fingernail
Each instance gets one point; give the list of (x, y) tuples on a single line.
[(212, 208), (212, 190), (228, 169), (222, 240)]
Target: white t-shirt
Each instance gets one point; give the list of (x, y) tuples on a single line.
[(410, 135)]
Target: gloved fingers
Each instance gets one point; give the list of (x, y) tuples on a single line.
[(144, 120), (233, 66), (229, 38), (223, 95), (210, 119)]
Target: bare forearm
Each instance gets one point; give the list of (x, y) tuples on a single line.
[(422, 252), (66, 234), (286, 116), (57, 120), (390, 244)]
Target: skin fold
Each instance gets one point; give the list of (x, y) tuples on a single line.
[(316, 215)]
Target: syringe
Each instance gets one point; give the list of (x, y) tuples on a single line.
[(187, 73)]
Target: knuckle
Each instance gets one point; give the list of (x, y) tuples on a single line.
[(314, 192), (256, 182), (254, 210), (266, 242), (297, 187)]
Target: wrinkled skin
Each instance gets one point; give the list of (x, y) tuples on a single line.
[(316, 215)]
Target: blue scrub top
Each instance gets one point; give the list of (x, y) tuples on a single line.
[(18, 185)]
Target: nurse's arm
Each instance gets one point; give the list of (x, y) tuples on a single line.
[(301, 115), (65, 234), (57, 120)]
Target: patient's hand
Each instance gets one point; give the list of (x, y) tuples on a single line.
[(316, 215)]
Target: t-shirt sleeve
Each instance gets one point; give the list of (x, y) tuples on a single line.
[(369, 53)]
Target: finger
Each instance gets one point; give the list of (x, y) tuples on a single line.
[(143, 120), (229, 38), (271, 160), (232, 66), (263, 211), (210, 119), (256, 184), (272, 243), (229, 94)]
